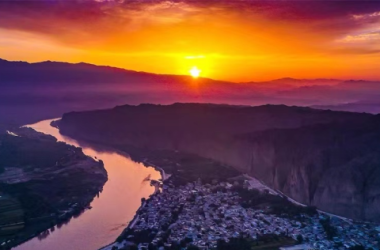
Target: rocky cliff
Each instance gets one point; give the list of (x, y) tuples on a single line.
[(322, 158)]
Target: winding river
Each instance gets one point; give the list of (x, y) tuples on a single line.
[(111, 211)]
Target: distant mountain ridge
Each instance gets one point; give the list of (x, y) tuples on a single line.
[(51, 72), (373, 106), (290, 83), (33, 91), (9, 68)]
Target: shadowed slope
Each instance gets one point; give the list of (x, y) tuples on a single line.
[(317, 157)]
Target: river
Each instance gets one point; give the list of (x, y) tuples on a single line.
[(111, 211)]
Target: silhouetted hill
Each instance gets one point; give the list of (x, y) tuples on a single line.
[(323, 158), (53, 73), (33, 91)]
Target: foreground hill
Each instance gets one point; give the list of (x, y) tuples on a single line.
[(322, 158)]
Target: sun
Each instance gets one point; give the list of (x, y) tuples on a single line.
[(195, 72)]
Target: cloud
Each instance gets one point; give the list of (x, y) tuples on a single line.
[(168, 11), (367, 16), (357, 51), (362, 38), (124, 25)]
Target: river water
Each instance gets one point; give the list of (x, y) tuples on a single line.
[(111, 211)]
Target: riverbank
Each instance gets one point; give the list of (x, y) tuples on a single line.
[(135, 219), (187, 168), (131, 224), (111, 210), (42, 176), (164, 175), (121, 242)]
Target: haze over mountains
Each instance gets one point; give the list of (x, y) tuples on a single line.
[(323, 158), (34, 91)]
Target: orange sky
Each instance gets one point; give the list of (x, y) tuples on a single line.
[(237, 41)]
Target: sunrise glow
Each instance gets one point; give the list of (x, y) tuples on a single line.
[(239, 41), (279, 97), (195, 72)]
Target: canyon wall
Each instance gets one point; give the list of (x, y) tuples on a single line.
[(322, 158)]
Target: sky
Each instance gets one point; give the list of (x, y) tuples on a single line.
[(232, 40)]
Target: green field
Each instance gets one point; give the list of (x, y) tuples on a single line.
[(11, 215)]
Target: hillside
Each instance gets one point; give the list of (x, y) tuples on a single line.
[(323, 158)]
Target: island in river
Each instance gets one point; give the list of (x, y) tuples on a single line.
[(42, 183)]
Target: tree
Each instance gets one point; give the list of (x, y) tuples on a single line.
[(234, 244), (359, 247), (192, 247), (299, 238), (120, 239), (183, 243), (329, 229), (151, 247)]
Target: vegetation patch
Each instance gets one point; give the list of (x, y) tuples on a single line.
[(43, 183)]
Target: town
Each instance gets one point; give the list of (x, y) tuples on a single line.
[(196, 216)]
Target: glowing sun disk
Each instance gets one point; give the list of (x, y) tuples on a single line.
[(195, 72)]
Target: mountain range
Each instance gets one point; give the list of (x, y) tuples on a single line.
[(33, 91)]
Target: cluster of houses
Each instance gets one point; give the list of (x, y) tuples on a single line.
[(204, 214)]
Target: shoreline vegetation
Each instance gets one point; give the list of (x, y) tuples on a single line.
[(43, 185), (135, 218)]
